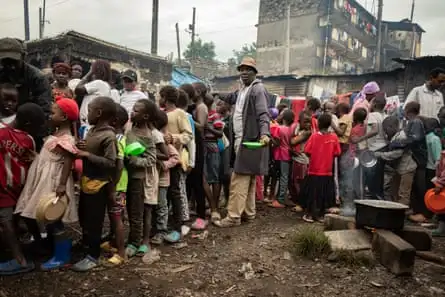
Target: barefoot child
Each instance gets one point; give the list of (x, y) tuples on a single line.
[(142, 178), (16, 144), (99, 154), (322, 148), (55, 160)]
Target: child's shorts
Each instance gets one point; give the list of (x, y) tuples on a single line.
[(212, 167), (119, 204), (6, 214)]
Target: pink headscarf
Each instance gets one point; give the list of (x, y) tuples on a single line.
[(361, 102)]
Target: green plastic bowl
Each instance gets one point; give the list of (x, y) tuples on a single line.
[(253, 145), (134, 149)]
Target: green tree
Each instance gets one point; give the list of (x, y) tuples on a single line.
[(248, 50), (201, 49)]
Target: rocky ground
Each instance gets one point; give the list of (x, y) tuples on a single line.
[(251, 260)]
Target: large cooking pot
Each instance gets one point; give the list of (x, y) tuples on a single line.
[(380, 214), (368, 159)]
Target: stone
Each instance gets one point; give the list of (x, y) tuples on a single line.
[(393, 252), (417, 236), (349, 240), (337, 222)]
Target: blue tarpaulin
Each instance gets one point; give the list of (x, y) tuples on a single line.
[(180, 77)]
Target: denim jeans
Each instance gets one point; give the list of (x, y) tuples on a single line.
[(284, 179), (161, 211), (174, 197)]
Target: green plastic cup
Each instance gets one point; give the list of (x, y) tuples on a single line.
[(134, 149)]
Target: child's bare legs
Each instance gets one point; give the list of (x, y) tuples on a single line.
[(9, 236), (116, 212), (216, 191), (7, 232)]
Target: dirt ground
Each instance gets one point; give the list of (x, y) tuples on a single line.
[(212, 267)]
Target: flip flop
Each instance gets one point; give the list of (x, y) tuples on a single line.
[(116, 260), (142, 250), (13, 267), (131, 251)]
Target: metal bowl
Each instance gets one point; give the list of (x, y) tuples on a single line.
[(368, 159)]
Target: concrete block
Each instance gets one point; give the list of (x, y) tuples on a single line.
[(349, 240), (337, 222), (417, 236), (393, 252)]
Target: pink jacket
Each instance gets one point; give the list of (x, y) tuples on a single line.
[(164, 173)]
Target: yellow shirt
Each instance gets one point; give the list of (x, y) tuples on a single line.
[(179, 127), (346, 120)]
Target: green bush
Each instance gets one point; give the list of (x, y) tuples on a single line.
[(310, 242)]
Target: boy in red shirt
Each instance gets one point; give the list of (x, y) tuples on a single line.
[(322, 148), (16, 150)]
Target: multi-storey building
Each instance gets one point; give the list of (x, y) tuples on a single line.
[(328, 36)]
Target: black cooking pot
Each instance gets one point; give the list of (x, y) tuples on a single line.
[(380, 214)]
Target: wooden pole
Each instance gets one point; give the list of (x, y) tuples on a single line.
[(26, 12), (178, 44), (154, 28), (379, 36)]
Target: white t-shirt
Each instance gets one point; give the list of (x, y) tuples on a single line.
[(129, 98), (7, 120), (115, 96), (238, 115), (72, 84), (95, 88), (158, 137), (379, 141)]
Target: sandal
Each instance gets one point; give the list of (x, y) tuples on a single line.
[(199, 224), (108, 248), (142, 250), (85, 265), (173, 237), (116, 260), (13, 267), (131, 251), (277, 204), (308, 219), (297, 208)]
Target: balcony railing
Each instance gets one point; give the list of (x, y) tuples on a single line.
[(362, 29)]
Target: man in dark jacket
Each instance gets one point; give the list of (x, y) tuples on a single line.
[(250, 124), (31, 84)]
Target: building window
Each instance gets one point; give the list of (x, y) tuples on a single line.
[(323, 21), (334, 34), (364, 52), (339, 4), (320, 51)]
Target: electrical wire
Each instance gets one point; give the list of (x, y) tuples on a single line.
[(47, 7)]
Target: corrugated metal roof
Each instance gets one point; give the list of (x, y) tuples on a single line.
[(406, 61), (403, 25), (97, 40)]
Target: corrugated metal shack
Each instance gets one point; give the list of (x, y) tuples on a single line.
[(418, 70), (321, 86), (73, 45)]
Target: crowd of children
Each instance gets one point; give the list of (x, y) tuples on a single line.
[(322, 158), (185, 160)]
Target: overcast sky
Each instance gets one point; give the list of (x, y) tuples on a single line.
[(228, 23)]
